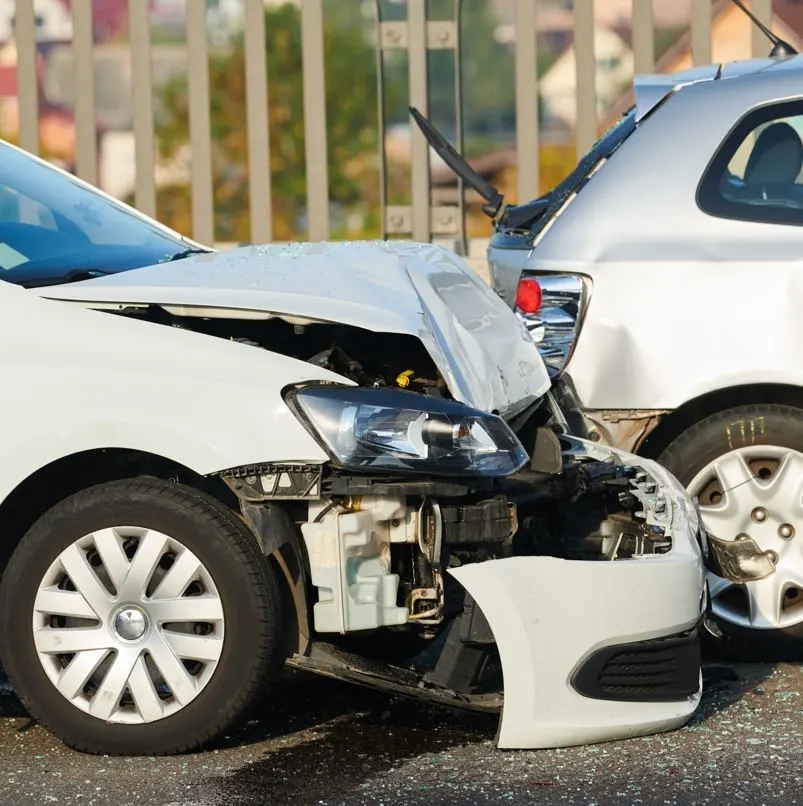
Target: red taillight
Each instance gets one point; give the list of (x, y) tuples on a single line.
[(528, 295)]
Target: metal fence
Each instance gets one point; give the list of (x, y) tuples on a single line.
[(417, 35)]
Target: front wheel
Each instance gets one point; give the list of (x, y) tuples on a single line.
[(138, 617), (745, 465)]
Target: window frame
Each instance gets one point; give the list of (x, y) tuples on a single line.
[(709, 197)]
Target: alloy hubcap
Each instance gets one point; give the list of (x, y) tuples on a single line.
[(757, 492), (128, 625)]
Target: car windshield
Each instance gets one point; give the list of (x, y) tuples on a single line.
[(602, 149), (55, 229)]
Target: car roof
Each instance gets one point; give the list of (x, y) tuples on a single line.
[(783, 73)]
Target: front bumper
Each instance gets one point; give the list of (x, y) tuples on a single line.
[(551, 618)]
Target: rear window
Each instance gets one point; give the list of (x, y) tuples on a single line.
[(757, 173)]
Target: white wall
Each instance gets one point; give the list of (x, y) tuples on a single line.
[(53, 18)]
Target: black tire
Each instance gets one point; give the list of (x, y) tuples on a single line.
[(687, 455), (246, 584)]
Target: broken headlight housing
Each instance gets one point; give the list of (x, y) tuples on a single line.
[(394, 431)]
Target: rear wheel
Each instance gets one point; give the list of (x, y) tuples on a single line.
[(746, 467), (138, 617)]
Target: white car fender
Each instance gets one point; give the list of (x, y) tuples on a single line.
[(547, 615), (76, 380)]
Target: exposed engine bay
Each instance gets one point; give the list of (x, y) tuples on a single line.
[(380, 549), (382, 553), (370, 359)]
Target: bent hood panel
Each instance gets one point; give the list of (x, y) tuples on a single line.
[(423, 290)]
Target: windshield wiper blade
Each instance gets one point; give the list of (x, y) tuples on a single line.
[(457, 162), (189, 253), (73, 276)]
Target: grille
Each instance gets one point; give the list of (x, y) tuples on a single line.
[(660, 670)]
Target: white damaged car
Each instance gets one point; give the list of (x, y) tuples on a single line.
[(214, 464)]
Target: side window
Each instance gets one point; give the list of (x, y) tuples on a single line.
[(757, 173)]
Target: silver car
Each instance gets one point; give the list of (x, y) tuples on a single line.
[(662, 280)]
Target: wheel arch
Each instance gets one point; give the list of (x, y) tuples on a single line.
[(59, 479), (63, 477), (672, 425)]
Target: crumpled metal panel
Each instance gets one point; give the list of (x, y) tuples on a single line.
[(423, 290)]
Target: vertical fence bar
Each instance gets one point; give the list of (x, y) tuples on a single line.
[(380, 108), (526, 101), (759, 44), (701, 31), (256, 95), (315, 119), (586, 67), (27, 85), (142, 101), (203, 204), (419, 97), (86, 138), (643, 37), (457, 8)]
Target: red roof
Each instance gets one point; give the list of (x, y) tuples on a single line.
[(8, 81), (109, 17)]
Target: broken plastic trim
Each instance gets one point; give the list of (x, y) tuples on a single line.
[(739, 560), (274, 482), (658, 670)]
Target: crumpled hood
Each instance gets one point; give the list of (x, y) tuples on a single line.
[(484, 353)]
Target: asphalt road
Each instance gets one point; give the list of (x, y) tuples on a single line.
[(321, 742)]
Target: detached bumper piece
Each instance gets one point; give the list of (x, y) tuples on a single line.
[(550, 616), (661, 670)]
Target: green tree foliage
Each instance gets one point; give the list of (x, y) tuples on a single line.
[(351, 107), (487, 69), (352, 116)]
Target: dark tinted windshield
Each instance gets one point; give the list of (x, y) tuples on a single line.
[(602, 149), (55, 229)]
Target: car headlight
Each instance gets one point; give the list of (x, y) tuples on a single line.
[(386, 430)]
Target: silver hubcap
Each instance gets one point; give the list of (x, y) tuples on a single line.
[(128, 625), (757, 491)]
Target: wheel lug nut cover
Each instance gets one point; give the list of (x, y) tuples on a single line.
[(759, 515), (786, 531)]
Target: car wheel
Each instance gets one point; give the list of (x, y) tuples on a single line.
[(746, 467), (138, 617)]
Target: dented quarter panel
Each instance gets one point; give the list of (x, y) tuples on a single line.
[(423, 290)]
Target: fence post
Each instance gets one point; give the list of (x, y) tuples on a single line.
[(27, 82), (86, 138), (419, 98), (256, 95), (526, 101), (315, 119), (586, 74), (142, 101), (203, 202), (759, 44), (643, 37), (701, 31)]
